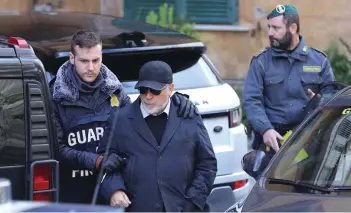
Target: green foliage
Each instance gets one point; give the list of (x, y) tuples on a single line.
[(165, 18), (340, 63)]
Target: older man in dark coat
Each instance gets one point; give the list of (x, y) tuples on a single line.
[(170, 162)]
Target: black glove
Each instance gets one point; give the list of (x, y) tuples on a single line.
[(186, 108), (112, 163)]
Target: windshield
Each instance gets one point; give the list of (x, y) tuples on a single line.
[(321, 153)]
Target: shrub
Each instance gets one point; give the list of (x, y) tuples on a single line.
[(165, 18), (340, 63)]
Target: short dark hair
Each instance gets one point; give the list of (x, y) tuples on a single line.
[(290, 19), (85, 38)]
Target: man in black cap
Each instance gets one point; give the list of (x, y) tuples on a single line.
[(170, 162)]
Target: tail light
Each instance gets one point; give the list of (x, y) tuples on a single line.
[(41, 182), (235, 117), (20, 42), (239, 184)]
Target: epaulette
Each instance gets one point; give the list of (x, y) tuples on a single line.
[(317, 50), (260, 52)]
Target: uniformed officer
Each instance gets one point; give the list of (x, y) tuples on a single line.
[(282, 79)]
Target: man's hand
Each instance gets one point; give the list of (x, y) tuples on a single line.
[(120, 199), (311, 94), (98, 162), (186, 108), (270, 139)]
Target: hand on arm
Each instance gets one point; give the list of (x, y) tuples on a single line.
[(120, 199)]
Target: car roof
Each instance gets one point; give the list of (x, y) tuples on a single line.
[(52, 32)]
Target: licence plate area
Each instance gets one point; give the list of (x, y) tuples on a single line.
[(217, 126)]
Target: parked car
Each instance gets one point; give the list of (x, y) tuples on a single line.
[(312, 170), (127, 45)]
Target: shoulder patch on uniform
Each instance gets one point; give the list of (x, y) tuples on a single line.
[(317, 50), (260, 52), (304, 49), (114, 100)]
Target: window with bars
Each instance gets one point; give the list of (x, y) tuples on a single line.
[(198, 11)]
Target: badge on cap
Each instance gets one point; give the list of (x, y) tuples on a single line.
[(114, 100), (280, 9)]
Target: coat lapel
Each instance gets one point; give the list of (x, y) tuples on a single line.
[(172, 125), (141, 126)]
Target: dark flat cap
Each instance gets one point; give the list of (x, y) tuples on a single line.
[(155, 75), (281, 10)]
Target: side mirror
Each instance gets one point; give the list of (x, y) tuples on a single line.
[(254, 163)]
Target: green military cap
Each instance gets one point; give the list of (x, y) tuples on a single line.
[(281, 10)]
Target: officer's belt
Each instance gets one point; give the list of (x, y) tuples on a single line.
[(282, 128)]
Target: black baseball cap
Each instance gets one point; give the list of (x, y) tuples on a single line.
[(155, 75)]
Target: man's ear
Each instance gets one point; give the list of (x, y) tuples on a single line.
[(71, 58), (171, 88), (293, 28)]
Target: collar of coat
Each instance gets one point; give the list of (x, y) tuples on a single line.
[(144, 113), (64, 89), (141, 127)]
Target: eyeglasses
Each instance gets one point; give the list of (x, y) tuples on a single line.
[(143, 90)]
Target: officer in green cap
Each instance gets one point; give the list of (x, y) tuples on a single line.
[(282, 79)]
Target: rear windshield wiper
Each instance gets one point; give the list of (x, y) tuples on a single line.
[(300, 184)]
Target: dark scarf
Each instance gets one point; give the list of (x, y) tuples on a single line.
[(88, 93)]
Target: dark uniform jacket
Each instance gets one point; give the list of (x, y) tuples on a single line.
[(275, 91), (81, 112)]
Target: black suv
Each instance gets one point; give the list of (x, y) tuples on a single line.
[(27, 134), (39, 46)]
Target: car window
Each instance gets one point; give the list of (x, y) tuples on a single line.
[(12, 127), (320, 153), (189, 68), (196, 76)]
